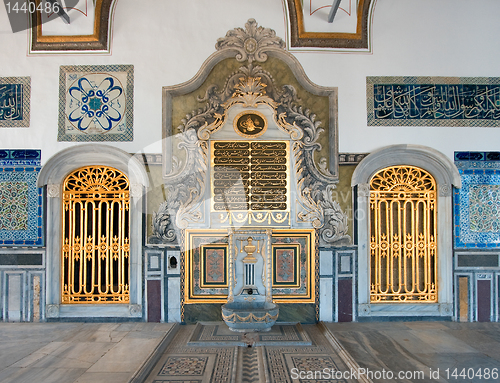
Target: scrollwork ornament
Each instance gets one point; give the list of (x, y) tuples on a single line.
[(251, 42), (363, 190), (364, 309), (52, 311), (53, 190), (136, 190), (446, 309), (162, 225), (135, 311), (444, 190), (336, 221)]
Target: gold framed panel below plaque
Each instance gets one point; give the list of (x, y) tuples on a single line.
[(206, 257), (294, 275), (293, 260)]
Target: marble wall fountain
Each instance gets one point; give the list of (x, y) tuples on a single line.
[(249, 304)]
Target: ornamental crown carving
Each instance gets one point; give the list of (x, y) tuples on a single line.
[(250, 42)]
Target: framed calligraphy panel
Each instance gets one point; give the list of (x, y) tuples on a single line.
[(433, 101), (15, 102), (96, 103)]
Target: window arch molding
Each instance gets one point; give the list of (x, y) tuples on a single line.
[(446, 176), (52, 177)]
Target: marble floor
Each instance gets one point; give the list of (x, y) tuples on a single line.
[(443, 351), (327, 352), (78, 352)]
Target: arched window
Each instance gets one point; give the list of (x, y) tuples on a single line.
[(95, 236), (419, 171), (403, 227)]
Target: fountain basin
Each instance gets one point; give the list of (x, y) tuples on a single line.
[(243, 316)]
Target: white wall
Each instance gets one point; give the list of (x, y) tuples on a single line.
[(167, 41)]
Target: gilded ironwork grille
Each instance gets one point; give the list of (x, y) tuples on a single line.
[(96, 249), (403, 235)]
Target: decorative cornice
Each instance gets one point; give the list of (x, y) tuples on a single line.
[(351, 158), (149, 158)]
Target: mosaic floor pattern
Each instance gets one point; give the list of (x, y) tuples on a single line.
[(210, 353), (218, 334)]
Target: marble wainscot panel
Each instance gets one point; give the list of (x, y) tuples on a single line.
[(20, 198), (96, 103)]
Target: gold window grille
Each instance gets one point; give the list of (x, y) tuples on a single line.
[(95, 243), (403, 252)]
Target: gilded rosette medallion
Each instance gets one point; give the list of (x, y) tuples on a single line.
[(250, 124)]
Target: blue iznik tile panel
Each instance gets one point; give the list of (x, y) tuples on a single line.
[(96, 103), (15, 102), (21, 203), (477, 203), (433, 101)]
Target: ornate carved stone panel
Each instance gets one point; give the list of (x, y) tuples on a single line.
[(250, 90)]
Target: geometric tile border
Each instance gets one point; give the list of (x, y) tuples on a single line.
[(184, 365), (184, 362), (15, 102), (96, 103), (21, 203), (217, 333)]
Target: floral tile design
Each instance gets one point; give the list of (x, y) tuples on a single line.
[(21, 201), (96, 103), (477, 202)]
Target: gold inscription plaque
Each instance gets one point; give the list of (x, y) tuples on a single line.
[(250, 176)]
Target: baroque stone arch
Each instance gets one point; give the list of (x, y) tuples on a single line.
[(244, 73), (446, 177), (51, 178)]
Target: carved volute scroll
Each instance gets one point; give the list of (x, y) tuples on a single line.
[(251, 86)]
